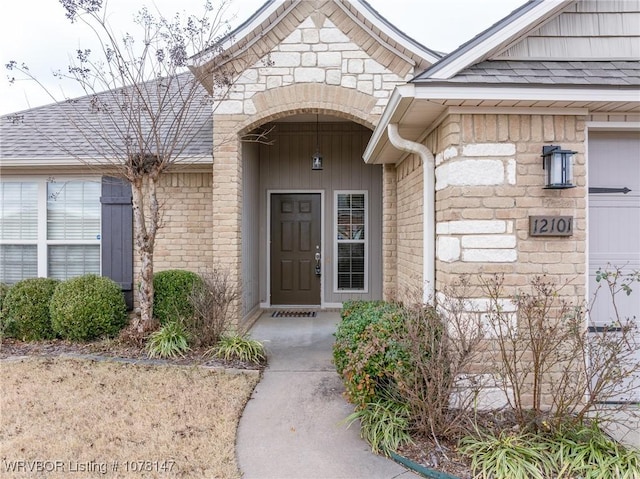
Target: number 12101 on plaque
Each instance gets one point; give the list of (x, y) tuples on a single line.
[(550, 225)]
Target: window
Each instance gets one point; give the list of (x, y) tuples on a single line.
[(351, 241), (49, 229)]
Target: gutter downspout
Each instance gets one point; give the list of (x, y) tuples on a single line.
[(428, 234)]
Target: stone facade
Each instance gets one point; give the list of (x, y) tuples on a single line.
[(489, 181), (314, 68)]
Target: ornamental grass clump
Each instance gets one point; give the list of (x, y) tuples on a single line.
[(25, 310), (384, 424), (88, 307), (239, 347), (170, 341), (570, 452)]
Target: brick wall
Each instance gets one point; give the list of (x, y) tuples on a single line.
[(487, 186), (410, 226), (489, 180), (185, 237)]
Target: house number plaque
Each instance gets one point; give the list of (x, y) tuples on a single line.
[(550, 225)]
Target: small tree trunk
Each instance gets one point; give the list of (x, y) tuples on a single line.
[(145, 235)]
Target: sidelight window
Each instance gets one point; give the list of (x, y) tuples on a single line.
[(351, 241)]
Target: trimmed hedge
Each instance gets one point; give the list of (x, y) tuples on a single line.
[(25, 309), (172, 289), (88, 307)]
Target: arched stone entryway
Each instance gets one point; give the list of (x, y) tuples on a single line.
[(249, 176), (291, 59)]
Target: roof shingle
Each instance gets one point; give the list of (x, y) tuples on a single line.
[(591, 73), (72, 129)]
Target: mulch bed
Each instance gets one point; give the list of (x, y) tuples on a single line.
[(441, 457)]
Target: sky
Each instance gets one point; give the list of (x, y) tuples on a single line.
[(37, 33)]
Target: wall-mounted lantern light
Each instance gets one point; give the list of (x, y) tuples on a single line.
[(558, 166), (316, 159)]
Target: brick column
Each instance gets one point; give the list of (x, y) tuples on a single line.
[(389, 232)]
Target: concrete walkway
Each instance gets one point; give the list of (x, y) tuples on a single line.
[(291, 427)]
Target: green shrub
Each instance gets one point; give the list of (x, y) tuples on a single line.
[(4, 289), (356, 316), (172, 289), (240, 347), (170, 341), (366, 352), (88, 307), (26, 309)]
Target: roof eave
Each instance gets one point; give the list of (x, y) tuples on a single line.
[(405, 99), (14, 162)]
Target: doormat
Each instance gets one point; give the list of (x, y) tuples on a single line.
[(293, 314)]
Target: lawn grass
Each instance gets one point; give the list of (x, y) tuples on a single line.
[(81, 418)]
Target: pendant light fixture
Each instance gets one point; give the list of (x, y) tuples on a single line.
[(316, 159)]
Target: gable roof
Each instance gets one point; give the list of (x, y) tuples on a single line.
[(477, 75), (72, 132), (276, 19), (524, 19)]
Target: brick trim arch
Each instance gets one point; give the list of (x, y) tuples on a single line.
[(305, 97)]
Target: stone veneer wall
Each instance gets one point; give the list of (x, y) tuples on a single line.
[(489, 182), (313, 69)]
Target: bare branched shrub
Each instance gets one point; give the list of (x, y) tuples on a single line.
[(553, 367), (212, 303), (441, 346)]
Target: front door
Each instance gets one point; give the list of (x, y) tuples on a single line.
[(295, 249)]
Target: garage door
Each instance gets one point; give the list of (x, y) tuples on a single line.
[(614, 221)]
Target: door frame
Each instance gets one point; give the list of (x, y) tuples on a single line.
[(323, 263)]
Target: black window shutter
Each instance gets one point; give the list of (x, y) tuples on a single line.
[(117, 234)]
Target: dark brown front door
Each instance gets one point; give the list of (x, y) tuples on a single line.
[(295, 242)]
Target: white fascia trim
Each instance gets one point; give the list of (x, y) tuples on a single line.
[(507, 32), (399, 39), (613, 125), (400, 92), (506, 110), (493, 92)]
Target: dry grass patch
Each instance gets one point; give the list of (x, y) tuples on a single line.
[(113, 419)]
